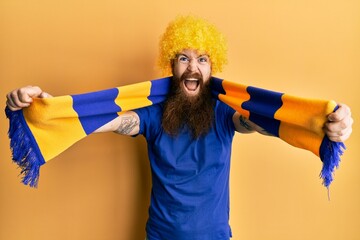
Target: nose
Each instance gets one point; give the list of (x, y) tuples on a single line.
[(192, 67)]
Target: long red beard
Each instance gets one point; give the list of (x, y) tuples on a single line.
[(181, 111)]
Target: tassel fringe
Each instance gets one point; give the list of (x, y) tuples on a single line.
[(24, 148), (330, 153)]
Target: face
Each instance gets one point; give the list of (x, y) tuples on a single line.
[(189, 102), (193, 69)]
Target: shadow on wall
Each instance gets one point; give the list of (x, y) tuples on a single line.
[(132, 188), (143, 189)]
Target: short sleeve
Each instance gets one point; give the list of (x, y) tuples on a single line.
[(150, 120), (224, 117)]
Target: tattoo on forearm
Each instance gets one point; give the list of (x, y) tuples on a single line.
[(244, 123), (264, 132), (127, 125), (252, 127)]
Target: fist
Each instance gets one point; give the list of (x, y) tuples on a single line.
[(339, 125), (23, 97)]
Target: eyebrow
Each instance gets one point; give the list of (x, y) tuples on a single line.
[(202, 55), (182, 54)]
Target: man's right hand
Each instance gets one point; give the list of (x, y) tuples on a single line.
[(23, 97)]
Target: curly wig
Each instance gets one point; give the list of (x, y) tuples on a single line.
[(190, 32)]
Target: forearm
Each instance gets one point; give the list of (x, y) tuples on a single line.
[(126, 124), (244, 125)]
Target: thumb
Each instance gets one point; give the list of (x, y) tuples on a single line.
[(44, 95)]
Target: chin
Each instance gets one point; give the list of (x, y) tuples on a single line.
[(192, 94)]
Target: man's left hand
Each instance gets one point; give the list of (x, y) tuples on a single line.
[(339, 125)]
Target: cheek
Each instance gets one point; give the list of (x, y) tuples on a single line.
[(178, 70), (206, 71)]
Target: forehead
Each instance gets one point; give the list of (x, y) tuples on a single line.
[(192, 53)]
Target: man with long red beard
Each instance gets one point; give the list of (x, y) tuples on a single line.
[(189, 136)]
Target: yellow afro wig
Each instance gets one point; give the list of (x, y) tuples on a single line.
[(190, 32)]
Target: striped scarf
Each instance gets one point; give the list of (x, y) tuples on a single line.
[(51, 125)]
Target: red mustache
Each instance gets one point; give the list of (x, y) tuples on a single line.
[(186, 75)]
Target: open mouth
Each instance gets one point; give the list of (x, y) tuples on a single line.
[(191, 84)]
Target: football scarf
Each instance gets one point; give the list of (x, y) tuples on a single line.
[(51, 125)]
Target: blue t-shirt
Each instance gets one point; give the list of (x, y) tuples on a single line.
[(190, 178)]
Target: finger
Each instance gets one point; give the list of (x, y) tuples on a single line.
[(342, 112), (346, 135), (10, 104), (14, 100), (45, 95), (336, 126), (26, 94), (22, 97), (340, 137)]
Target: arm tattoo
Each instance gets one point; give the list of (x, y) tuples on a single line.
[(127, 125), (243, 121), (264, 132), (246, 124)]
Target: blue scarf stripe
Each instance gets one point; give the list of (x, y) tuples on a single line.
[(90, 117), (266, 104), (159, 90)]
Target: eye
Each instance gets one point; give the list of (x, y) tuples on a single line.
[(183, 59), (203, 59)]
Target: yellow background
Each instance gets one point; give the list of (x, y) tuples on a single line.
[(99, 188)]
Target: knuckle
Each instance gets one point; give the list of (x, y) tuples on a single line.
[(334, 139), (22, 94), (21, 91), (13, 95), (342, 138), (336, 117), (351, 121), (341, 133), (343, 125), (329, 127), (347, 108), (8, 96), (36, 88)]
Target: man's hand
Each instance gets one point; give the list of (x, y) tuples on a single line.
[(339, 125), (23, 97)]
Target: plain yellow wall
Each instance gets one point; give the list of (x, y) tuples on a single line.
[(99, 189)]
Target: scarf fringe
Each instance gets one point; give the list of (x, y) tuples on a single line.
[(330, 153), (24, 148)]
